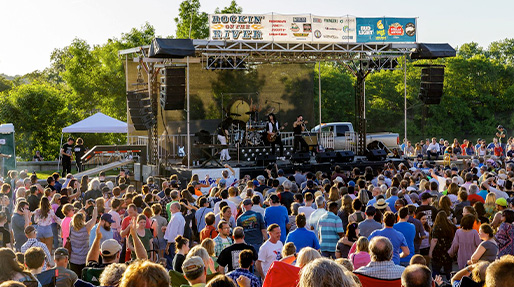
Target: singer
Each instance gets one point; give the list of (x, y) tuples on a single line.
[(298, 127)]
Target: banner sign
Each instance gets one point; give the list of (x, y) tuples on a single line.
[(386, 30), (215, 174), (310, 29)]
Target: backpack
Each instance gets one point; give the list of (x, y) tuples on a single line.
[(48, 278), (92, 275)]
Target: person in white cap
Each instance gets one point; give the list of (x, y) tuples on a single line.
[(110, 249), (195, 271)]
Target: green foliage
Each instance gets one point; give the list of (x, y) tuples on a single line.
[(38, 112), (191, 19), (4, 84), (232, 9)]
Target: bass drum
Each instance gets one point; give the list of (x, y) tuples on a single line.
[(254, 138)]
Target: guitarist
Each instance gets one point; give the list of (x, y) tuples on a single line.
[(298, 127), (223, 137), (274, 134)]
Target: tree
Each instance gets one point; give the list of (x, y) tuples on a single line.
[(4, 84), (232, 9), (502, 51), (191, 19), (38, 112), (468, 50)]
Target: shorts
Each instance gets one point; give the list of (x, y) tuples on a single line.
[(160, 244), (424, 251), (44, 231)]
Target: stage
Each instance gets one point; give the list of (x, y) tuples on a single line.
[(253, 169)]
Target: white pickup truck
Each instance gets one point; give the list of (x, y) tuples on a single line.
[(345, 137)]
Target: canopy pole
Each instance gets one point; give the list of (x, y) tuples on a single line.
[(319, 100), (405, 93), (59, 157), (187, 119)]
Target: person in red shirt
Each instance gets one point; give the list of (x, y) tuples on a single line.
[(498, 150), (209, 231)]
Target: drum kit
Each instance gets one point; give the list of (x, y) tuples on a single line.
[(247, 127)]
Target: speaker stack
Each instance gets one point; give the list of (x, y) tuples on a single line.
[(376, 155), (173, 88), (300, 157), (140, 110), (431, 90)]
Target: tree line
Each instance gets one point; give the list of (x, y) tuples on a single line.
[(83, 79)]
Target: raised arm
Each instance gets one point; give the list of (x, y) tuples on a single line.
[(92, 221), (138, 245), (94, 251)]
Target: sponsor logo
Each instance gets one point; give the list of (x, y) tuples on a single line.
[(395, 29), (328, 20), (217, 26), (380, 26), (332, 29), (300, 19), (307, 28), (294, 27), (366, 31), (257, 27), (316, 20), (410, 29), (330, 37), (347, 29), (381, 33), (301, 34), (317, 34), (347, 37)]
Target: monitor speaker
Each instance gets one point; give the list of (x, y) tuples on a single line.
[(265, 159), (300, 157), (345, 156), (328, 156), (376, 155), (173, 88)]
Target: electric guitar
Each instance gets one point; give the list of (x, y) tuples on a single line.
[(273, 136)]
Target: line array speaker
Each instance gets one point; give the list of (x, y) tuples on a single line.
[(173, 88)]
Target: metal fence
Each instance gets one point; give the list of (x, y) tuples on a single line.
[(174, 142)]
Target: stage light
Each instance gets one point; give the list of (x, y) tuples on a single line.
[(253, 154), (248, 159), (257, 150)]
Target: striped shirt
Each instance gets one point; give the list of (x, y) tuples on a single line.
[(329, 225), (382, 270)]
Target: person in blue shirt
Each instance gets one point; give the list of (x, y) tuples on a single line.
[(301, 237), (277, 213), (391, 200), (409, 232), (400, 247)]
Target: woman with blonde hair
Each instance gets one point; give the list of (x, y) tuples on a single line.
[(208, 244), (44, 216), (333, 195), (306, 255), (202, 253), (422, 184), (490, 205), (79, 238), (361, 255), (345, 210), (145, 273), (363, 197)]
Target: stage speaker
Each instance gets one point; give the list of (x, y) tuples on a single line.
[(173, 88), (140, 110), (376, 155), (328, 156), (300, 157), (345, 156), (265, 159), (432, 84)]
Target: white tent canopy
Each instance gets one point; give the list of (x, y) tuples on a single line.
[(98, 123)]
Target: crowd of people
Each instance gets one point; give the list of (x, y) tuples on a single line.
[(414, 224)]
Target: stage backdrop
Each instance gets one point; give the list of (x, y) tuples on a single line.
[(310, 28)]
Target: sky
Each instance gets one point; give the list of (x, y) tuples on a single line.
[(31, 29)]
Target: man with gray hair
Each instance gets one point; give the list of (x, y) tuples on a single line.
[(317, 214), (286, 196), (381, 265), (175, 227)]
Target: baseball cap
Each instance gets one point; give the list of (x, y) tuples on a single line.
[(501, 202), (110, 247), (192, 264), (256, 183), (107, 217), (61, 252), (247, 201), (338, 179), (351, 183), (261, 178), (280, 172), (425, 195)]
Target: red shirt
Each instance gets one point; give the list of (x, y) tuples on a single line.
[(498, 151), (126, 222), (208, 232), (474, 198)]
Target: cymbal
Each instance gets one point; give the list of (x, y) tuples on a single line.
[(251, 113), (235, 115)]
